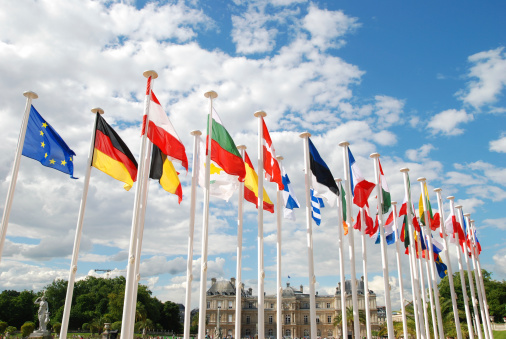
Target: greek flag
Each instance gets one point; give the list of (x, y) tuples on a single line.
[(316, 204)]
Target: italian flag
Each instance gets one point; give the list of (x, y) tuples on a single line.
[(387, 200)]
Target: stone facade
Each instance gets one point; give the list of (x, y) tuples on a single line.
[(295, 305)]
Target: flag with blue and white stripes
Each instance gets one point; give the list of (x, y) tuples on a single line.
[(289, 198), (316, 204)]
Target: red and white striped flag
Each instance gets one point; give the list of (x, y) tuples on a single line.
[(271, 164)]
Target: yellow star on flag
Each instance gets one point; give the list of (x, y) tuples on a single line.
[(63, 162), (42, 144), (44, 125), (45, 155), (41, 133), (52, 161), (70, 159)]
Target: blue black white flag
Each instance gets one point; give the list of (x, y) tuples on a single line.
[(323, 181)]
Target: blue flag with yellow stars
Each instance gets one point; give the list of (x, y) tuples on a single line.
[(43, 144)]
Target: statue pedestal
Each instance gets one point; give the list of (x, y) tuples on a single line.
[(40, 335)]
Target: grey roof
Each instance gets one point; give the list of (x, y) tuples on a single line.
[(222, 287)]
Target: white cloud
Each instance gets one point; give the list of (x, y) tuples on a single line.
[(499, 223), (498, 145), (446, 122), (420, 153), (500, 263), (388, 110)]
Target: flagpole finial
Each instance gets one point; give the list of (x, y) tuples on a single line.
[(437, 189), (404, 170), (211, 95), (151, 74), (196, 132), (338, 180), (451, 197), (241, 147), (394, 203), (279, 157), (260, 114), (305, 135), (97, 110), (30, 94), (344, 143), (421, 179), (467, 215), (374, 155), (458, 206)]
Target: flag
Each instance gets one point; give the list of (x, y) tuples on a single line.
[(288, 277), (289, 198), (387, 200), (162, 133), (389, 230), (163, 170), (316, 204), (44, 144), (477, 242), (112, 156), (223, 150), (369, 223), (404, 235), (343, 201), (441, 267), (453, 227), (433, 219), (323, 182), (271, 164), (251, 186), (466, 231), (360, 188), (221, 184)]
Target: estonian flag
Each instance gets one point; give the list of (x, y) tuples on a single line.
[(323, 181)]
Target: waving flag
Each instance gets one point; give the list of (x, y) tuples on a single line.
[(369, 223), (389, 230), (343, 203), (251, 186), (163, 170), (44, 144), (404, 235), (433, 219), (271, 164), (387, 200), (323, 182), (289, 198), (316, 204), (441, 267), (360, 188)]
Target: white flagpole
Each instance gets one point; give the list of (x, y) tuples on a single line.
[(238, 286), (261, 273), (422, 287), (419, 313), (475, 269), (399, 271), (351, 240), (312, 279), (191, 228), (469, 319), (15, 169), (205, 223), (384, 261), (366, 281), (79, 231), (470, 278), (482, 284), (126, 328), (341, 261), (448, 264), (438, 328), (279, 203)]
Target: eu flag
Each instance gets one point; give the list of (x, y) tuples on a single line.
[(44, 144)]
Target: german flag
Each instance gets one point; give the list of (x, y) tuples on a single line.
[(163, 170), (112, 156)]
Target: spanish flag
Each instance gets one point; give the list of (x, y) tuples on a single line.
[(251, 186), (112, 156), (163, 170)]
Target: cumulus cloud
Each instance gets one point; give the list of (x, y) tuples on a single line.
[(420, 153), (447, 121), (498, 145), (388, 110)]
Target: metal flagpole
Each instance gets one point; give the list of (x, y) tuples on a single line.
[(384, 261), (448, 264), (279, 325), (341, 262), (366, 282), (419, 313), (422, 288), (470, 278), (191, 228), (79, 231), (469, 319), (128, 302), (399, 270), (475, 269), (205, 222), (351, 240), (312, 278), (15, 169), (238, 284), (435, 300), (482, 284), (261, 273), (426, 263)]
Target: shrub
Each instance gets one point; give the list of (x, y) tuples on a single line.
[(27, 328), (116, 325), (86, 326), (3, 326), (10, 329), (56, 327)]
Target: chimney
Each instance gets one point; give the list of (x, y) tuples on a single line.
[(362, 278), (250, 291), (301, 288), (287, 284), (232, 280), (213, 281), (339, 284)]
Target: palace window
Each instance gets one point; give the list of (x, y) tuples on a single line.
[(287, 319), (248, 319), (305, 319), (328, 305), (329, 319), (270, 319)]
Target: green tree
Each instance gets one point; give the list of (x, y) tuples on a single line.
[(3, 326), (194, 327), (116, 326), (56, 327), (10, 329), (27, 328), (338, 321), (170, 317)]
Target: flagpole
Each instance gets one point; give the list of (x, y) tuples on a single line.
[(482, 284), (434, 299), (469, 319), (312, 279), (366, 281), (384, 261), (475, 269), (351, 240), (238, 286), (470, 279), (448, 264), (422, 287), (344, 320), (205, 223), (420, 330), (279, 202), (399, 271), (126, 328), (191, 227), (15, 169)]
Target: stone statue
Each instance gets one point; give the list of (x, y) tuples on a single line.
[(43, 312)]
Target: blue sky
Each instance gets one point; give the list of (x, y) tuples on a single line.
[(422, 84)]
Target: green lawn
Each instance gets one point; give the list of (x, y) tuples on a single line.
[(499, 334)]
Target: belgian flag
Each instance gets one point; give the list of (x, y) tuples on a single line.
[(112, 156), (163, 170)]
